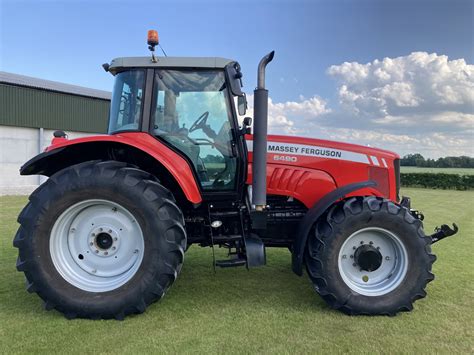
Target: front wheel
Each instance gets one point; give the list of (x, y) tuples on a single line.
[(100, 240), (369, 256)]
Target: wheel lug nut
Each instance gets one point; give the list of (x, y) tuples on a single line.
[(371, 242), (94, 271), (361, 242), (354, 264), (354, 248), (113, 248), (93, 234), (352, 256), (387, 258), (115, 238), (106, 253), (344, 256), (91, 243), (110, 231), (101, 229), (97, 252)]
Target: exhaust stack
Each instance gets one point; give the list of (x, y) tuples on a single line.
[(259, 166)]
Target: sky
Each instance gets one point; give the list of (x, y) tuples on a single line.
[(397, 74)]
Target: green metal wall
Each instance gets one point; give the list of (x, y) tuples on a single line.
[(29, 107)]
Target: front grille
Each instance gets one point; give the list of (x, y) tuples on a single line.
[(396, 165)]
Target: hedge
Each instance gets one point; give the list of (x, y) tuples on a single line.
[(437, 181)]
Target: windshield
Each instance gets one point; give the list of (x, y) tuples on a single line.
[(127, 98), (191, 111)]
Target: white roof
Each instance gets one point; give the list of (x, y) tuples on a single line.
[(28, 81)]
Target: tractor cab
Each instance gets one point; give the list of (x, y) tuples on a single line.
[(188, 104)]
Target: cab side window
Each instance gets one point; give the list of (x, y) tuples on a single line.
[(126, 106), (191, 112)]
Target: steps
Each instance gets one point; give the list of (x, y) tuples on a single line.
[(254, 254), (231, 263)]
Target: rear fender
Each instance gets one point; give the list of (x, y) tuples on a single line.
[(312, 216), (138, 148)]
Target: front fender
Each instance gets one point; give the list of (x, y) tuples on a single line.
[(69, 152), (312, 216)]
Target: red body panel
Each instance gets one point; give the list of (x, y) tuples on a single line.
[(306, 185), (304, 168), (315, 167), (176, 165)]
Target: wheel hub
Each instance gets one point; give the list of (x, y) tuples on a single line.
[(368, 258), (104, 241)]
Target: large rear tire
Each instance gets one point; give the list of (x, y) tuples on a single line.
[(100, 240), (369, 256)]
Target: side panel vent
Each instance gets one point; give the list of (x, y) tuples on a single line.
[(380, 175)]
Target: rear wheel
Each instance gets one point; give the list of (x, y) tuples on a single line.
[(100, 240), (369, 256)]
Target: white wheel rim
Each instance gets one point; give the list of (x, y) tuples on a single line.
[(96, 245), (393, 267)]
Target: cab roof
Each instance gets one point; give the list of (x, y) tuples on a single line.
[(118, 64)]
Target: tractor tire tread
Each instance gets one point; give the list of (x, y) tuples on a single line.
[(323, 230), (151, 190)]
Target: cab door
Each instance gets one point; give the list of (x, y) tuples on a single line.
[(193, 112)]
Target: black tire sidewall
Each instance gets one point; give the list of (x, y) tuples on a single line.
[(50, 284), (406, 228)]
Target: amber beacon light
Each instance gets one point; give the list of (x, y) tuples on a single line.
[(152, 38)]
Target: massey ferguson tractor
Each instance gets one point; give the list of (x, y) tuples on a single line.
[(106, 235)]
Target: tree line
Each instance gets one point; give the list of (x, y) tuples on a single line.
[(446, 162)]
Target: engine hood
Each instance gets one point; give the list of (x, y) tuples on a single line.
[(291, 160)]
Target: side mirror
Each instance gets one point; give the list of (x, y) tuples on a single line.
[(247, 121), (246, 126), (234, 78), (242, 104)]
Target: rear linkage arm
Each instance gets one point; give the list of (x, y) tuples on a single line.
[(440, 232)]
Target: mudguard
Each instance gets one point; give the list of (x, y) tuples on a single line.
[(312, 216), (64, 152)]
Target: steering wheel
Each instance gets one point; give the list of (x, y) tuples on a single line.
[(200, 122)]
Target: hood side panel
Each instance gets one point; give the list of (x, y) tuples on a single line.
[(342, 163)]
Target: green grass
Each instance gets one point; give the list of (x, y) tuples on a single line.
[(416, 169), (265, 310)]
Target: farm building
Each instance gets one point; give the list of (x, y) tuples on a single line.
[(31, 109)]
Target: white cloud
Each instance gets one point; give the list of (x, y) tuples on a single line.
[(429, 145), (416, 103), (413, 84), (282, 116), (304, 108)]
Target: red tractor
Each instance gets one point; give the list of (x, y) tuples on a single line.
[(105, 236)]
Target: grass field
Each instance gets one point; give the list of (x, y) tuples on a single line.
[(416, 169), (265, 310)]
